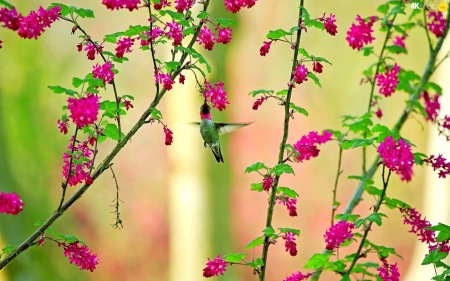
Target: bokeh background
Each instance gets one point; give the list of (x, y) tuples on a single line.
[(180, 206)]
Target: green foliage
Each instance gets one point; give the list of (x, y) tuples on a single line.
[(66, 10), (110, 131), (434, 257), (60, 90), (347, 217), (156, 114), (92, 83), (318, 261), (6, 4), (255, 242), (286, 229), (67, 238), (255, 167), (260, 92), (288, 192), (234, 258), (225, 22), (282, 168), (298, 109), (314, 78), (256, 263), (257, 187), (203, 15), (269, 231), (196, 55)]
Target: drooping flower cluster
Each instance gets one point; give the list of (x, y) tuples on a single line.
[(169, 136), (174, 33), (267, 183), (400, 41), (329, 24), (258, 103), (165, 80), (439, 163), (437, 24), (206, 37), (444, 126), (80, 255), (298, 276), (120, 4), (432, 106), (337, 234), (290, 245), (300, 73), (63, 126), (216, 95), (360, 34), (123, 46), (10, 18), (103, 72), (264, 50), (388, 81), (397, 157), (379, 113), (84, 111), (223, 35), (162, 4), (235, 5), (81, 163), (90, 49), (33, 25), (418, 226), (183, 5), (153, 35), (317, 67), (10, 203), (290, 204), (214, 267), (388, 272), (306, 146)]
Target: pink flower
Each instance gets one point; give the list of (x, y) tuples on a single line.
[(317, 67), (439, 163), (264, 50), (120, 4), (182, 78), (290, 204), (329, 25), (156, 32), (258, 103), (216, 94), (388, 81), (79, 170), (127, 104), (223, 35), (437, 25), (63, 126), (290, 245), (80, 255), (168, 133), (10, 203), (337, 234), (206, 38), (400, 41), (1, 41), (432, 106), (298, 276), (123, 46), (162, 4), (267, 183), (103, 72), (10, 18), (174, 33), (361, 34), (214, 267), (166, 80), (388, 272), (306, 146), (379, 113), (300, 73), (33, 25), (397, 157), (235, 5), (84, 111), (91, 51), (183, 5)]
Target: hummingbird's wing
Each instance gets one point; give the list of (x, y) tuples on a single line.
[(225, 128)]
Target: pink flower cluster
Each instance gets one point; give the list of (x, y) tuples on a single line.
[(317, 67), (432, 106), (290, 245), (80, 255), (267, 183), (329, 24), (10, 203), (120, 4), (337, 234), (164, 79), (361, 34), (84, 111), (214, 267), (63, 126), (183, 5), (123, 46), (444, 126), (207, 38), (400, 41), (300, 73), (306, 146), (264, 50), (439, 163), (90, 49), (33, 25), (168, 134), (174, 32), (153, 35), (290, 204), (10, 18), (388, 272), (79, 171), (258, 103), (397, 157), (235, 5), (103, 72), (437, 24), (388, 81), (419, 225), (298, 276), (216, 95), (162, 4)]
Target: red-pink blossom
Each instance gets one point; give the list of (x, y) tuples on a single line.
[(329, 25), (103, 72), (206, 38), (182, 79), (223, 35), (174, 33), (264, 50), (298, 276), (439, 163), (183, 5), (124, 46), (165, 79), (33, 25), (397, 157), (300, 73), (258, 103), (81, 163), (379, 113), (235, 5), (267, 183), (80, 255), (84, 111), (388, 81), (216, 95), (10, 203), (317, 67), (432, 106), (388, 272), (290, 204), (169, 136), (10, 18), (337, 234), (162, 4), (437, 24), (400, 41), (360, 34), (214, 267), (290, 245), (120, 4), (63, 126), (306, 146)]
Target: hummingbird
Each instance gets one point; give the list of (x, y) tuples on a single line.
[(211, 131)]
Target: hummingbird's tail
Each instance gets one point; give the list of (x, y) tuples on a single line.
[(217, 153)]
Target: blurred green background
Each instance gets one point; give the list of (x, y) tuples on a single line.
[(180, 206)]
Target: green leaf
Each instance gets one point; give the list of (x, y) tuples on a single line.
[(234, 258), (318, 261), (418, 158), (321, 59), (111, 131), (394, 49), (257, 187), (260, 92), (314, 78), (172, 65), (174, 15), (361, 178), (110, 38), (195, 55), (190, 30), (376, 218), (60, 90), (372, 190), (256, 242), (433, 257), (225, 22), (384, 8), (347, 217), (256, 263), (303, 52), (288, 192), (76, 82), (298, 109), (134, 30), (9, 249), (269, 231), (397, 10), (156, 114), (293, 230), (283, 168), (84, 13), (64, 8), (433, 86), (367, 50), (347, 144), (277, 34), (255, 167), (345, 277), (282, 93), (203, 15)]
